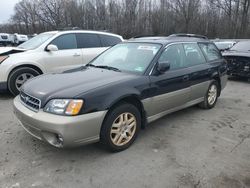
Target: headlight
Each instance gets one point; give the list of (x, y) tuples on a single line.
[(68, 107), (2, 58)]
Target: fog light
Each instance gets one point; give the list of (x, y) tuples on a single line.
[(53, 138), (59, 140)]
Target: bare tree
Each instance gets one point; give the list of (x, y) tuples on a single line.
[(214, 18)]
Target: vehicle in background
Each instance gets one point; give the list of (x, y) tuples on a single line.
[(224, 45), (32, 36), (238, 59), (119, 92), (5, 39), (17, 39), (51, 52)]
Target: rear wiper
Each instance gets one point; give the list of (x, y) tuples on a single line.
[(104, 67)]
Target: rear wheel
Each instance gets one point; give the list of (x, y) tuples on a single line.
[(211, 96), (121, 127), (18, 77)]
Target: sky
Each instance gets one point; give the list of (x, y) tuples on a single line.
[(6, 9)]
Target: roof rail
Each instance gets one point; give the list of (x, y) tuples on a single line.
[(188, 35), (150, 35)]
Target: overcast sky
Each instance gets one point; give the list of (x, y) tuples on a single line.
[(7, 9)]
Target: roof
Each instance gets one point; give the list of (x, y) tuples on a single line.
[(169, 39), (83, 31)]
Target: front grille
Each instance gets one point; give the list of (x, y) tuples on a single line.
[(238, 65), (5, 37), (30, 102)]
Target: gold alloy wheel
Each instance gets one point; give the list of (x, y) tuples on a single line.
[(123, 129), (212, 94)]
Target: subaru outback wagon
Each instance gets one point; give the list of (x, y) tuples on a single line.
[(119, 92)]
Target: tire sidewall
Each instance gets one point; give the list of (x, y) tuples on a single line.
[(13, 76), (110, 118)]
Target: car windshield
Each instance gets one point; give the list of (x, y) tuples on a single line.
[(130, 57), (241, 46), (36, 41)]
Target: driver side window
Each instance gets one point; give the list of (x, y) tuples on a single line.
[(65, 42), (174, 55)]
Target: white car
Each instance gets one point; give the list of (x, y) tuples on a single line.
[(224, 45), (51, 52)]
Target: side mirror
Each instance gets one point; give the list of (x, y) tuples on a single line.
[(52, 48), (163, 66)]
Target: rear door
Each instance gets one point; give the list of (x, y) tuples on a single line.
[(109, 40), (171, 89), (199, 71), (90, 46), (67, 56)]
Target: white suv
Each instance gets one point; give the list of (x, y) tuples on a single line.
[(51, 52)]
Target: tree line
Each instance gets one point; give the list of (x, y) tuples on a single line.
[(213, 18)]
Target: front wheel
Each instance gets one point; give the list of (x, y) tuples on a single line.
[(211, 96), (18, 77), (121, 127)]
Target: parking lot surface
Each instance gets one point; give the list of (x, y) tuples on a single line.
[(189, 148)]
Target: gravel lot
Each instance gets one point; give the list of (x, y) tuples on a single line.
[(190, 148)]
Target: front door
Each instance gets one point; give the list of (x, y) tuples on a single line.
[(67, 57), (172, 88)]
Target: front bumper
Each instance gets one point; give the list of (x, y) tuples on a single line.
[(238, 67), (60, 131)]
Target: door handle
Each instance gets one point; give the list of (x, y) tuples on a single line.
[(76, 55), (185, 78)]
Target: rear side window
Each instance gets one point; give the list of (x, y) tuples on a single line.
[(88, 40), (210, 51), (65, 42), (193, 54), (108, 40)]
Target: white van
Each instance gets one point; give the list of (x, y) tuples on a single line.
[(4, 39)]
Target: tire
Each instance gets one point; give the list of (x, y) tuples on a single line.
[(113, 122), (17, 74), (208, 103)]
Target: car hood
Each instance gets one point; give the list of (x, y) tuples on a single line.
[(10, 50), (72, 83), (236, 53)]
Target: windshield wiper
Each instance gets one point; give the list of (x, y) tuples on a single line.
[(108, 67), (104, 67), (90, 65)]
